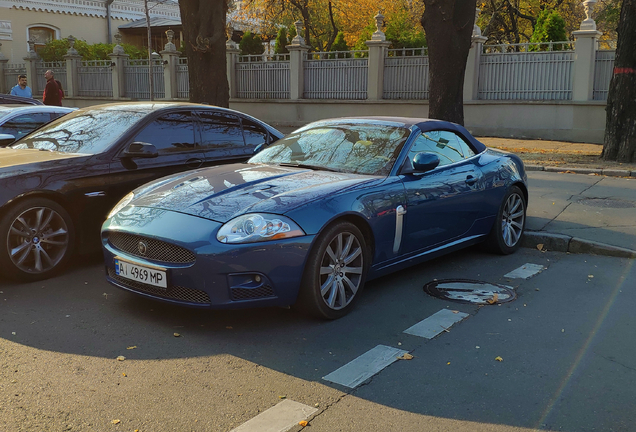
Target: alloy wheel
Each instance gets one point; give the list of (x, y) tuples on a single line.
[(513, 218), (341, 270)]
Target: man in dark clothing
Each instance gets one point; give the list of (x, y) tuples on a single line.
[(51, 91)]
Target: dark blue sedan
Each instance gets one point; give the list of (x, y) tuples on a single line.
[(312, 217)]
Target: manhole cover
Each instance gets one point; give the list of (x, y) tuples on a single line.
[(606, 203), (470, 291)]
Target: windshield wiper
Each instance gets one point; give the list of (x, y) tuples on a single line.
[(311, 167)]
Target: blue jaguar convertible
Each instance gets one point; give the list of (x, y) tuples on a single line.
[(314, 215)]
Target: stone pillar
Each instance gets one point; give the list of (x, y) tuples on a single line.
[(73, 62), (3, 64), (170, 58), (31, 72), (118, 59), (471, 76), (297, 52), (586, 44), (232, 52), (378, 46)]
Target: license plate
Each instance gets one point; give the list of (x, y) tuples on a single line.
[(141, 274)]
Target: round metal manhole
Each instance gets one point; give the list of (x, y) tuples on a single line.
[(607, 203), (470, 291)]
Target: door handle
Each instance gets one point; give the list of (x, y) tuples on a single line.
[(470, 180), (194, 163)]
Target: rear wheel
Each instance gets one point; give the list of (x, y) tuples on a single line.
[(335, 272), (505, 236), (36, 238)]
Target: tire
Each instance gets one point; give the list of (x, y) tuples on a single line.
[(506, 233), (335, 272), (36, 239)]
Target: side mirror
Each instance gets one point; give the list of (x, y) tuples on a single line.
[(6, 139), (140, 150), (424, 162)]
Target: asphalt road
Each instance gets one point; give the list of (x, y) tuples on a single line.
[(566, 345)]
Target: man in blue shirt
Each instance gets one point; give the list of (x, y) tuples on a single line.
[(22, 89)]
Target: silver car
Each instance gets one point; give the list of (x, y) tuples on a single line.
[(18, 120)]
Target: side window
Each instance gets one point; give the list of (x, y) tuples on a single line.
[(170, 133), (466, 150), (448, 146), (23, 124), (254, 133), (220, 130)]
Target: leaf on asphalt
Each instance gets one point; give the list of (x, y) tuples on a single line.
[(123, 374), (494, 299), (115, 421), (176, 335), (405, 356), (590, 276), (132, 347), (303, 423), (498, 358), (282, 397), (121, 358), (455, 312)]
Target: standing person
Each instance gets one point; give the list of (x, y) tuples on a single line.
[(22, 89), (51, 91)]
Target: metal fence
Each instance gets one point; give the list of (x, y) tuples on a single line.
[(95, 78), (529, 75), (603, 70), (59, 72), (183, 79), (406, 74), (11, 73), (262, 77), (137, 79), (336, 75)]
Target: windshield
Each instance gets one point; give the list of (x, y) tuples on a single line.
[(87, 131), (350, 147)]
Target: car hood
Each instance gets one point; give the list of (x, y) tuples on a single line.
[(16, 157), (224, 192)]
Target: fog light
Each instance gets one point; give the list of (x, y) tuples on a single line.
[(257, 278)]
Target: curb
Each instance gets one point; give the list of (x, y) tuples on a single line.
[(564, 243), (610, 172)]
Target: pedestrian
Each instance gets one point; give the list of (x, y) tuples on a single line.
[(21, 88), (51, 94)]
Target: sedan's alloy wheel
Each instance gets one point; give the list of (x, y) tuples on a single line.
[(38, 240), (513, 218), (341, 270)]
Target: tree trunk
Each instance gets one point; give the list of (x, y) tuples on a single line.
[(204, 35), (448, 25), (620, 127)]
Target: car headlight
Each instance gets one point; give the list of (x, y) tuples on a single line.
[(258, 227), (121, 204)]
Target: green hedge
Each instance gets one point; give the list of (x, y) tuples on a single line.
[(55, 50)]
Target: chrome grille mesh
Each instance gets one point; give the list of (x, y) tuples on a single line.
[(156, 250), (173, 292)]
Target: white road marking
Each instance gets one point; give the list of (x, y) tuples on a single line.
[(279, 418), (436, 323), (525, 271), (364, 367)]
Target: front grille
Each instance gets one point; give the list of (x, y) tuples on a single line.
[(156, 250), (173, 292), (252, 293)]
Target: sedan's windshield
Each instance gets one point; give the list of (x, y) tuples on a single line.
[(351, 147), (88, 131)]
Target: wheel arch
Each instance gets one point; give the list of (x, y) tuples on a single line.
[(524, 189), (361, 223), (50, 195)]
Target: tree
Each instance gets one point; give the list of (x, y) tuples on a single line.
[(251, 44), (281, 41), (204, 35), (550, 27), (620, 128), (448, 25)]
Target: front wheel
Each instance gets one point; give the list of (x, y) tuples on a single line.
[(505, 236), (335, 272), (36, 239)]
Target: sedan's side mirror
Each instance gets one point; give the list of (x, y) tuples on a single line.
[(6, 139), (140, 150), (424, 162)]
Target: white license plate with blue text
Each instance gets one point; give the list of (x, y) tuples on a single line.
[(141, 274)]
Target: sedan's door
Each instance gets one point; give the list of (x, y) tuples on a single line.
[(173, 135), (442, 204), (222, 138)]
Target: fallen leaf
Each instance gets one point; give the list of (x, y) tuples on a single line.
[(498, 358), (282, 397), (123, 374), (455, 312), (121, 358), (303, 423), (405, 356), (177, 335), (494, 299), (115, 421), (448, 363), (132, 347), (590, 276), (540, 246)]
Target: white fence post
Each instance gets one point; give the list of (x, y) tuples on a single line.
[(585, 56), (118, 59), (3, 64), (232, 52), (297, 53), (378, 46), (170, 57), (471, 75), (73, 60), (32, 76)]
